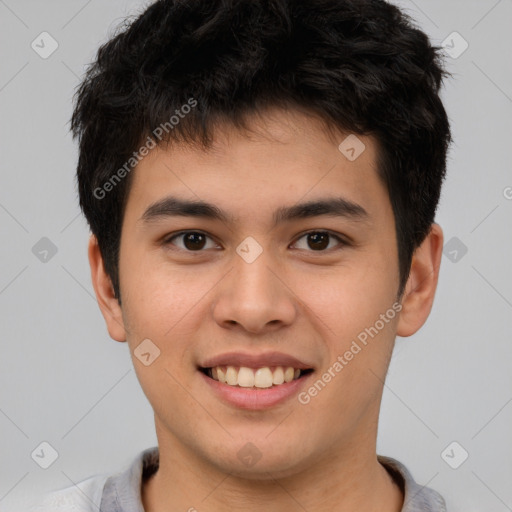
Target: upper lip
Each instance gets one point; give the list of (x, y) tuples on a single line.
[(255, 360)]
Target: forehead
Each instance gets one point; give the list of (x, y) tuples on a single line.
[(284, 158)]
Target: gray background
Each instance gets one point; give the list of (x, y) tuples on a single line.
[(64, 381)]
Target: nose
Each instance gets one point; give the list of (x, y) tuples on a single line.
[(255, 296)]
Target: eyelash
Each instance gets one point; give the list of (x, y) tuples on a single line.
[(341, 241)]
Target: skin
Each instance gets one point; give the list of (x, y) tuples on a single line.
[(294, 299)]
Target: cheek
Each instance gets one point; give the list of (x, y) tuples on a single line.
[(155, 294), (156, 306), (351, 298), (166, 306), (358, 323)]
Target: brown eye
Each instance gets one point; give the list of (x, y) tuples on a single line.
[(319, 240), (196, 241), (192, 241)]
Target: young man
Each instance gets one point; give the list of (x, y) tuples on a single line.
[(261, 179)]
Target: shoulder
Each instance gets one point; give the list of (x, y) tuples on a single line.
[(105, 492), (85, 496), (417, 498)]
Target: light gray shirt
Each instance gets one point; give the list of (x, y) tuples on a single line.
[(121, 492)]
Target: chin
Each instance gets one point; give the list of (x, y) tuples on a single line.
[(261, 464)]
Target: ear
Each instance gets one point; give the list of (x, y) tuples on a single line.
[(422, 283), (109, 305)]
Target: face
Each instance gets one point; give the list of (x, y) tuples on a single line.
[(312, 289)]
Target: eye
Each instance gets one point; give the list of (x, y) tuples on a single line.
[(193, 241), (319, 240)]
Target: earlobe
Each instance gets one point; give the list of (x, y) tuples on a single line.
[(422, 283), (108, 303)]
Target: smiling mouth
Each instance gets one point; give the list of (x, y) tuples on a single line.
[(262, 378)]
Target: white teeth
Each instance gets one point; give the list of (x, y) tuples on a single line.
[(288, 374), (231, 376), (262, 378), (278, 377), (248, 377)]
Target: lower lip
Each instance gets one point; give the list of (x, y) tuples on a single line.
[(255, 398)]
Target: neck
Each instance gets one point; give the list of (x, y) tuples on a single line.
[(341, 481)]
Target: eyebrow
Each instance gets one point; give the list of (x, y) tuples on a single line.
[(335, 207)]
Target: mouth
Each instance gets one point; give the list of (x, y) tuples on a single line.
[(264, 377), (255, 381)]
